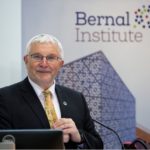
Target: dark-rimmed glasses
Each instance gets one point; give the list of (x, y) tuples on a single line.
[(49, 58)]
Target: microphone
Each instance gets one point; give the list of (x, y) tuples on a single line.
[(99, 123)]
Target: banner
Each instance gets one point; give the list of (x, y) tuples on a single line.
[(120, 29)]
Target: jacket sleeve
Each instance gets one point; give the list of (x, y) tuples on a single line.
[(4, 116)]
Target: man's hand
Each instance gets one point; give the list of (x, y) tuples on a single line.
[(70, 131)]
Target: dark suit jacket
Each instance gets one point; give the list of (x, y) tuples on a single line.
[(20, 108)]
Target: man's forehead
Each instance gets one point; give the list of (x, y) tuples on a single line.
[(44, 48)]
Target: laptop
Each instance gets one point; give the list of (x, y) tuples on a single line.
[(33, 138)]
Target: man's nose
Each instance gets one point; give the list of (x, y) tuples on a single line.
[(44, 62)]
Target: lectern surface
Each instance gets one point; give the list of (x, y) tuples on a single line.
[(34, 138)]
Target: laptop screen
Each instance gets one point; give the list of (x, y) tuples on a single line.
[(34, 138)]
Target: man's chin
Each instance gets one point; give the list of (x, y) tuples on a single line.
[(46, 81)]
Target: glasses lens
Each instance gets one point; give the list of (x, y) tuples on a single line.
[(36, 57)]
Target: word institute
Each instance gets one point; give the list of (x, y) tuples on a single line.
[(102, 28)]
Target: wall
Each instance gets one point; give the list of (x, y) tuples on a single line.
[(10, 42)]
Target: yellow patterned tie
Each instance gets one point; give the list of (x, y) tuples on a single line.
[(49, 107)]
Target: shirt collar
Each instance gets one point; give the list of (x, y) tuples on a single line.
[(38, 90)]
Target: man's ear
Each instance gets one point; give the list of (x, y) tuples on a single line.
[(62, 63), (25, 59)]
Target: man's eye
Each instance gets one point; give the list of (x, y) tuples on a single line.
[(50, 58), (37, 57)]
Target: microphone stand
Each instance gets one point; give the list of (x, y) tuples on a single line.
[(123, 148)]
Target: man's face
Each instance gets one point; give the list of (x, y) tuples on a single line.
[(43, 72)]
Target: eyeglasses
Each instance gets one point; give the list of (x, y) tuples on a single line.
[(49, 58)]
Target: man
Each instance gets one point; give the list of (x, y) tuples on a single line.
[(22, 105)]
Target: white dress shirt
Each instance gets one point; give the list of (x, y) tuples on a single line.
[(39, 92)]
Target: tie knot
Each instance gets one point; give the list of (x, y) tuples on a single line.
[(46, 92)]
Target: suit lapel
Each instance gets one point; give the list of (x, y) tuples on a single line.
[(34, 103), (64, 101)]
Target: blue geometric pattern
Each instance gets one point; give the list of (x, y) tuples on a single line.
[(108, 98)]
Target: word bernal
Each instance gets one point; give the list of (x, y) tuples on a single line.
[(83, 19)]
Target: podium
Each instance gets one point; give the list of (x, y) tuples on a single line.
[(31, 139)]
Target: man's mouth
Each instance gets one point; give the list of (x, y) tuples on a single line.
[(43, 70)]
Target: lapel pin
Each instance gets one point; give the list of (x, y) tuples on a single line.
[(65, 103)]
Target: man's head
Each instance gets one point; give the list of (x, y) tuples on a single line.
[(43, 59)]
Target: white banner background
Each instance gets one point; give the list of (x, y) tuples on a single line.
[(130, 59)]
